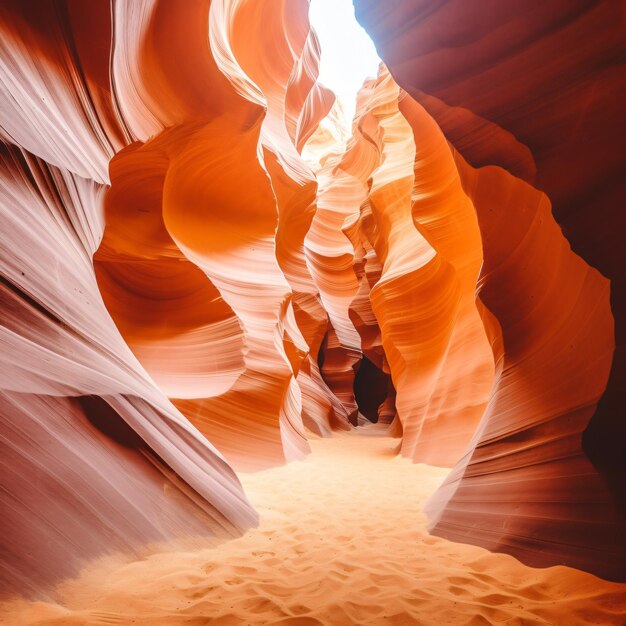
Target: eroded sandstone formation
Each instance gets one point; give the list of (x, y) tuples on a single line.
[(197, 274), (529, 99), (113, 377)]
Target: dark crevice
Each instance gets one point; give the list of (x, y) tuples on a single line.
[(371, 387)]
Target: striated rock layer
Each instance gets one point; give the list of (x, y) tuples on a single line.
[(528, 98), (156, 297), (199, 268), (94, 455), (424, 231)]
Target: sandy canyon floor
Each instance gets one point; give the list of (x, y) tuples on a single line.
[(342, 540)]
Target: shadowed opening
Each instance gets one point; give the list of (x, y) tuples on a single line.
[(371, 386)]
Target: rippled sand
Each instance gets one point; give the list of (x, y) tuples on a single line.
[(342, 541)]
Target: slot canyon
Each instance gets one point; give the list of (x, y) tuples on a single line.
[(289, 339)]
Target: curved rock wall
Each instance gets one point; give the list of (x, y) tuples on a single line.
[(533, 92), (426, 236), (141, 263), (178, 279)]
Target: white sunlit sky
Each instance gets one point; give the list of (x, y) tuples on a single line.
[(348, 54)]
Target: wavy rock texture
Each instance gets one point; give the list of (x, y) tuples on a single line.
[(86, 420), (255, 416), (533, 91), (270, 61), (424, 231), (330, 257), (196, 261), (373, 387), (95, 457)]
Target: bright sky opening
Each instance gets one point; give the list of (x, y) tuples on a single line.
[(348, 54)]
